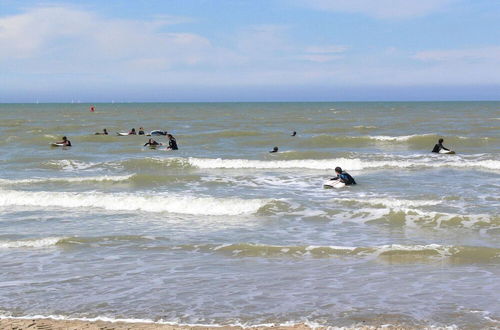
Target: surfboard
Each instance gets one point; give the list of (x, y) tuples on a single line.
[(122, 133), (449, 152), (156, 132), (57, 145), (333, 184)]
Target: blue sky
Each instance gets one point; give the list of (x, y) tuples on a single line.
[(253, 50)]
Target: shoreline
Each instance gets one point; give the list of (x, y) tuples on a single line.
[(47, 323)]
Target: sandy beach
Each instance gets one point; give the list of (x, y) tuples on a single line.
[(51, 324)]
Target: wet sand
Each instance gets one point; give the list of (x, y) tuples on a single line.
[(50, 324)]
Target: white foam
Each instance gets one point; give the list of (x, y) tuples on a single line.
[(70, 165), (31, 243), (129, 202), (349, 164), (397, 138), (67, 179)]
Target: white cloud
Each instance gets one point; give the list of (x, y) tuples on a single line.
[(327, 49), (469, 54), (382, 9), (76, 38)]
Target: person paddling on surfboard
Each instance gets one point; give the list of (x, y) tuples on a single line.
[(132, 132), (104, 132), (275, 149), (439, 146), (172, 143), (65, 142), (152, 142), (343, 177)]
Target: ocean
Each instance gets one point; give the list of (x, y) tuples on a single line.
[(223, 232)]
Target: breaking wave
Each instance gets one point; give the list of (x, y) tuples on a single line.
[(129, 202)]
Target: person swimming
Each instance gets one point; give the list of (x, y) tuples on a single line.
[(439, 146), (132, 132), (152, 142), (294, 133), (104, 132), (141, 131), (343, 177), (275, 149), (172, 143), (65, 142)]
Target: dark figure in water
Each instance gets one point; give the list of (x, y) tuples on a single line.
[(141, 131), (132, 132), (172, 143), (275, 149), (294, 133), (65, 142), (152, 142), (343, 177), (158, 132), (104, 132), (439, 146)]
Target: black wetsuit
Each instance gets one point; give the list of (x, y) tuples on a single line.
[(141, 132), (439, 147), (154, 143), (346, 178), (172, 144)]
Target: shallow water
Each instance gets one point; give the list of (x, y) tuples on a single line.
[(222, 232)]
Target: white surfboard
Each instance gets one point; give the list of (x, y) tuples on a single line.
[(333, 184), (450, 152), (57, 145), (122, 133)]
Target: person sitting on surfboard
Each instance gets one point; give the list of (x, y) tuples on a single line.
[(275, 149), (343, 177), (65, 142), (439, 146), (132, 132), (152, 142), (172, 143), (104, 132), (141, 131)]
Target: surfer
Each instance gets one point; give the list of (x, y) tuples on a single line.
[(65, 142), (158, 132), (141, 131), (172, 143), (439, 146), (104, 132), (152, 142), (294, 133), (343, 177), (275, 149), (132, 132)]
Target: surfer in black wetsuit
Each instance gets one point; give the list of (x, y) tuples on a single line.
[(152, 142), (343, 177), (294, 133), (439, 146), (65, 142), (104, 132), (275, 149), (141, 131), (172, 143)]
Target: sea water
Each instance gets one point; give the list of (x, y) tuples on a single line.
[(223, 232)]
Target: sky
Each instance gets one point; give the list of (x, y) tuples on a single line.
[(249, 50)]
